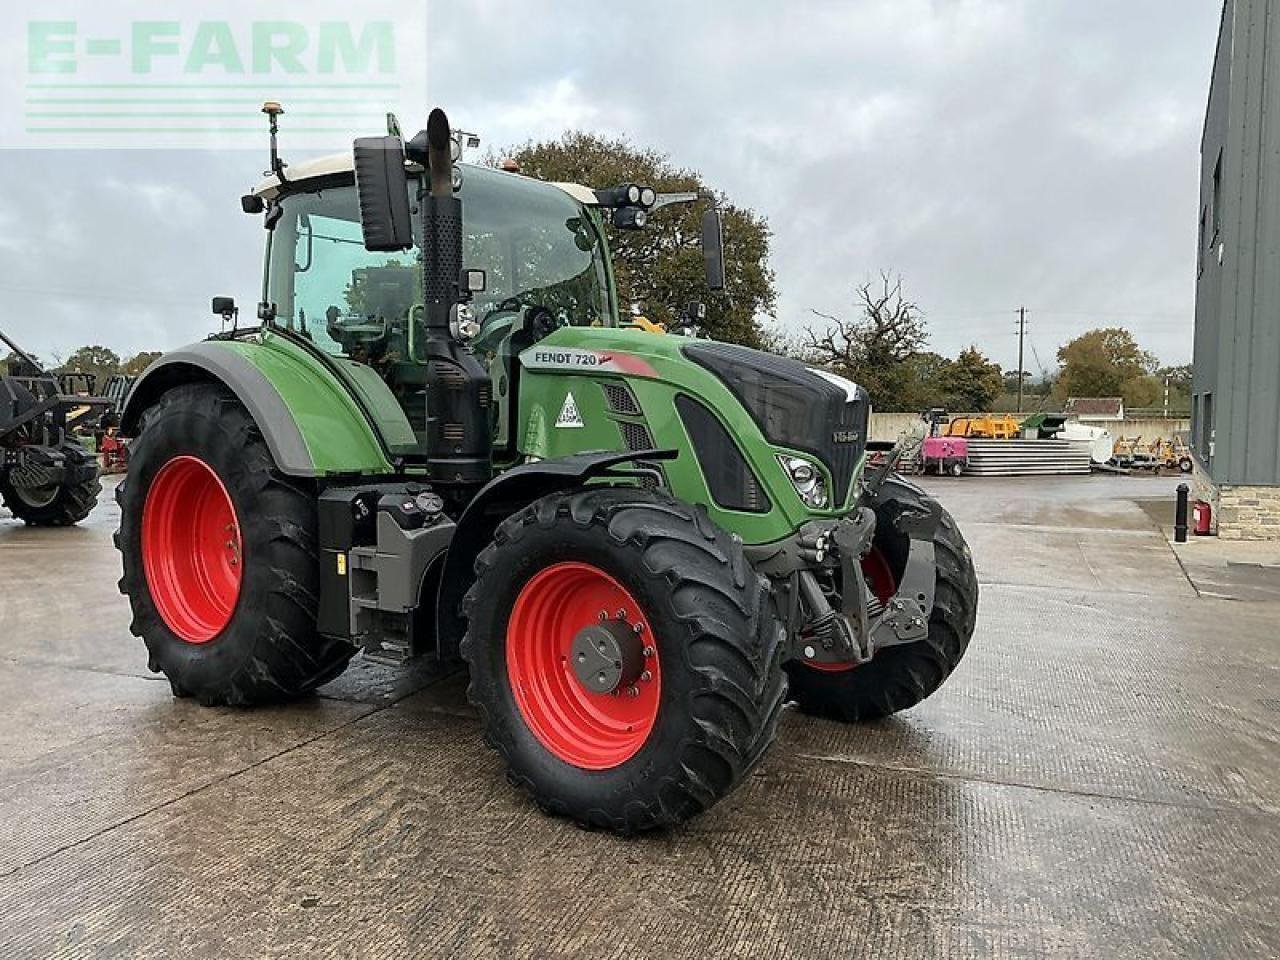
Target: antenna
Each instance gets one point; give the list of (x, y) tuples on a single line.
[(273, 110)]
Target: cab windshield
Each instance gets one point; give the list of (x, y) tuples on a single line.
[(537, 245)]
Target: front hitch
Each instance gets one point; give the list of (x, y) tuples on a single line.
[(851, 625)]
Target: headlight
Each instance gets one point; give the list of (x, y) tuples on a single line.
[(807, 480)]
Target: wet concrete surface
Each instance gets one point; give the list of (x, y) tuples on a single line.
[(1098, 779)]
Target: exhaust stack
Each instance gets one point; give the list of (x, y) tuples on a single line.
[(457, 386)]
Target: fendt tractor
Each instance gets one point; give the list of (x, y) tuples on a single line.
[(442, 438)]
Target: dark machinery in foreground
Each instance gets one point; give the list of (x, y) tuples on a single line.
[(47, 478)]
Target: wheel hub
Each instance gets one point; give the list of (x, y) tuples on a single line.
[(191, 549), (597, 712), (606, 656)]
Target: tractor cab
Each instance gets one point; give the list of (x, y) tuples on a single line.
[(537, 250)]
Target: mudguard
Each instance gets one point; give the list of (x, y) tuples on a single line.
[(309, 419), (502, 496)]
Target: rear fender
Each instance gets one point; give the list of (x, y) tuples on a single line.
[(308, 419)]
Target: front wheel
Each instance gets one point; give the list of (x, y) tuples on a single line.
[(220, 556), (899, 677), (624, 656)]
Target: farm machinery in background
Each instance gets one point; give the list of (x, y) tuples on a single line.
[(1043, 443), (47, 476)]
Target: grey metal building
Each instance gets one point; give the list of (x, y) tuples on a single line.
[(1236, 390)]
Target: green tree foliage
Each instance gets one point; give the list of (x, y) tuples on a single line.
[(97, 360), (661, 266), (139, 362), (13, 363), (972, 382), (1106, 362)]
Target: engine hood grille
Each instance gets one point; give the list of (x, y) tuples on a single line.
[(793, 406)]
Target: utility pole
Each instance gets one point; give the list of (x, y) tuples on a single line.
[(1166, 397), (1022, 332)]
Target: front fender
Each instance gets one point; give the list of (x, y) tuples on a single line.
[(502, 496), (311, 424)]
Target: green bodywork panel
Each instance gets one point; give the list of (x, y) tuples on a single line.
[(337, 434), (580, 360)]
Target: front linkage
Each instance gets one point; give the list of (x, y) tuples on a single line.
[(833, 616)]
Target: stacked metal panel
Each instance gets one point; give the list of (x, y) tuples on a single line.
[(1018, 458)]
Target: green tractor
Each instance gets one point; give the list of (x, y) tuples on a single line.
[(441, 438)]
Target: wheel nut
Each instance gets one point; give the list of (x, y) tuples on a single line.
[(633, 691), (648, 651), (810, 653), (638, 628), (622, 614), (603, 616)]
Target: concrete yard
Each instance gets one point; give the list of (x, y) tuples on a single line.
[(1100, 778)]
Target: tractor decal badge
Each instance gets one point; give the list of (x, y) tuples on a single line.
[(569, 415), (592, 361)]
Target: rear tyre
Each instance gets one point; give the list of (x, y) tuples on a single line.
[(1185, 465), (220, 556), (691, 698), (899, 677), (61, 506)]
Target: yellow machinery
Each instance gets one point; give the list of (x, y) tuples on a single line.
[(985, 427)]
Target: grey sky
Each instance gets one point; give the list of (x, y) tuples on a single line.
[(994, 153)]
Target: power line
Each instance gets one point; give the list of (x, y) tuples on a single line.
[(1022, 333)]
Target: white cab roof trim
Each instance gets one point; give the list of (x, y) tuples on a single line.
[(336, 163)]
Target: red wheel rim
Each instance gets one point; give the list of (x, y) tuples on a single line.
[(191, 549), (883, 584), (594, 731)]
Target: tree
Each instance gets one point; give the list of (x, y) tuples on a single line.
[(1106, 363), (12, 362), (139, 362), (972, 382), (1179, 377), (878, 348), (98, 360), (661, 267)]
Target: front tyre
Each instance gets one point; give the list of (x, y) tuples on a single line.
[(624, 656), (220, 556), (899, 677)]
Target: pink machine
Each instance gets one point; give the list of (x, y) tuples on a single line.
[(945, 455)]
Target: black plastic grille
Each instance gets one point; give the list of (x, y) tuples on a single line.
[(636, 436), (793, 406), (620, 399), (730, 479)]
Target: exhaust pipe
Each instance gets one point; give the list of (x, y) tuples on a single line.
[(458, 388)]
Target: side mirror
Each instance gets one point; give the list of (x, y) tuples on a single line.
[(224, 307), (383, 189), (713, 248)]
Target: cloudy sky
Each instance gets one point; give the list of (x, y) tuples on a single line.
[(995, 153)]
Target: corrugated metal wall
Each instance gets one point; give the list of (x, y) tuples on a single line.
[(1237, 349)]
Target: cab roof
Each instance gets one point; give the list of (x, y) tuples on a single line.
[(336, 164)]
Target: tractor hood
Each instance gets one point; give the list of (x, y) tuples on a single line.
[(794, 405), (767, 408)]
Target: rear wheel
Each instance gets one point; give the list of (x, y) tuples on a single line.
[(624, 656), (57, 504), (219, 553), (898, 677)]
